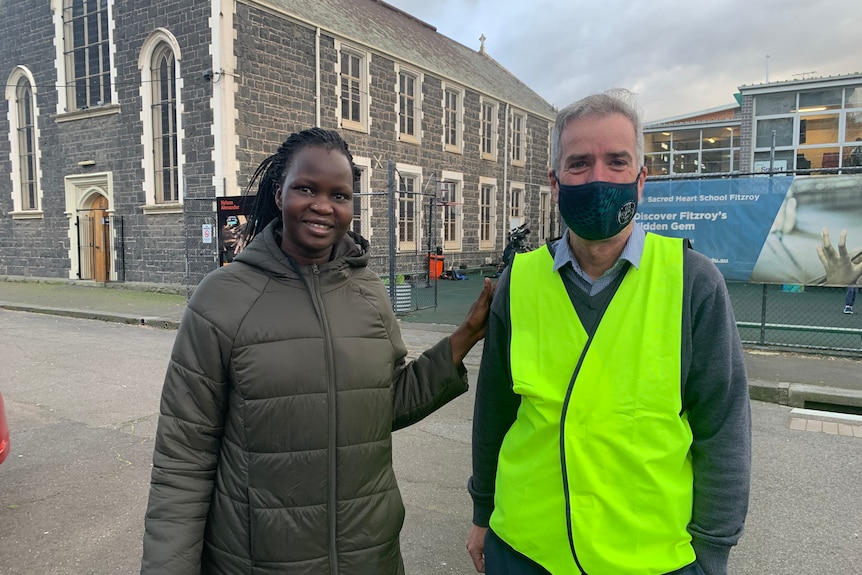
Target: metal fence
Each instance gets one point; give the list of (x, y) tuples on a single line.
[(808, 318)]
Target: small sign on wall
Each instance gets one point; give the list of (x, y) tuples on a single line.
[(207, 233)]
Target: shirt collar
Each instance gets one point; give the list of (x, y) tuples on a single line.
[(632, 251)]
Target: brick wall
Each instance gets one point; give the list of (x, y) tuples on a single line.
[(275, 96)]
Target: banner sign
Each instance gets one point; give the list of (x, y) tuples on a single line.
[(761, 229)]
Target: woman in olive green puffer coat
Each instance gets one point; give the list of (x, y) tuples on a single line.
[(288, 375)]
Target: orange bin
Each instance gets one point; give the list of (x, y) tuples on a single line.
[(435, 266)]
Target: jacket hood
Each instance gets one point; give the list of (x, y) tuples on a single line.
[(264, 252)]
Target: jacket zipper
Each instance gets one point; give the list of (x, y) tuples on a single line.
[(332, 414)]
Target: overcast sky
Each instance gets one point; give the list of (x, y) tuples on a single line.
[(679, 56)]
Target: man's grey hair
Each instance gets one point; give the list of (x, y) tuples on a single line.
[(617, 101)]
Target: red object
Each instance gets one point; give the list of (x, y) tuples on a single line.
[(4, 432), (435, 266)]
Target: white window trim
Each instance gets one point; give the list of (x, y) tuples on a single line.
[(417, 103), (454, 245), (495, 129), (365, 209), (544, 217), (516, 220), (458, 147), (491, 243), (18, 211), (364, 123), (148, 162), (64, 113), (522, 158), (402, 170)]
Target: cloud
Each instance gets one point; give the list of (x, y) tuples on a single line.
[(680, 57)]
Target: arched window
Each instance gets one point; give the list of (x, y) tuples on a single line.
[(24, 139), (26, 144), (161, 116), (164, 122)]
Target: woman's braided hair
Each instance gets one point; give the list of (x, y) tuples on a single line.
[(270, 174)]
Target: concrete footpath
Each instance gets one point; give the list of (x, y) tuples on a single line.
[(796, 379)]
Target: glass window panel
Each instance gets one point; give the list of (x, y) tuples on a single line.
[(853, 127), (819, 100), (783, 158), (736, 160), (734, 132), (485, 213), (770, 104), (685, 163), (686, 140), (658, 164), (853, 97), (487, 128), (853, 154), (78, 39), (657, 142), (783, 132), (821, 129), (92, 28), (716, 138), (827, 157), (406, 211), (80, 93), (713, 162)]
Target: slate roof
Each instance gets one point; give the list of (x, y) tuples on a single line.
[(382, 28)]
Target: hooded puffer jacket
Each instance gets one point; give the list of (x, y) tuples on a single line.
[(273, 450)]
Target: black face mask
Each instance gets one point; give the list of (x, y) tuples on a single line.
[(598, 210)]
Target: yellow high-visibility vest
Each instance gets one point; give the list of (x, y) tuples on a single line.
[(595, 474)]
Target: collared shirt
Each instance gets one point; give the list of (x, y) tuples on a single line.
[(632, 252)]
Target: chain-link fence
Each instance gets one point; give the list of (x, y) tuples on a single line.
[(409, 258), (787, 243), (794, 316)]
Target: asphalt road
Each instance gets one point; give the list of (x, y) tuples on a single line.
[(82, 398)]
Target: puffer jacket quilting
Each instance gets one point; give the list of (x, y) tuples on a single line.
[(283, 388)]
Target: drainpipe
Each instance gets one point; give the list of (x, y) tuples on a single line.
[(317, 76)]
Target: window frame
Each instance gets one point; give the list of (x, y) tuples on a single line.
[(801, 111), (78, 51), (158, 43), (544, 220), (403, 173), (518, 141), (24, 141), (362, 198), (164, 109), (662, 150), (453, 137), (489, 209), (359, 124), (414, 104), (488, 129), (516, 210), (452, 216)]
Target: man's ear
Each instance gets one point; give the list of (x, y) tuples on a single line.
[(278, 196), (555, 189), (642, 175)]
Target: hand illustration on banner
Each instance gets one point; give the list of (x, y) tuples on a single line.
[(842, 268)]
